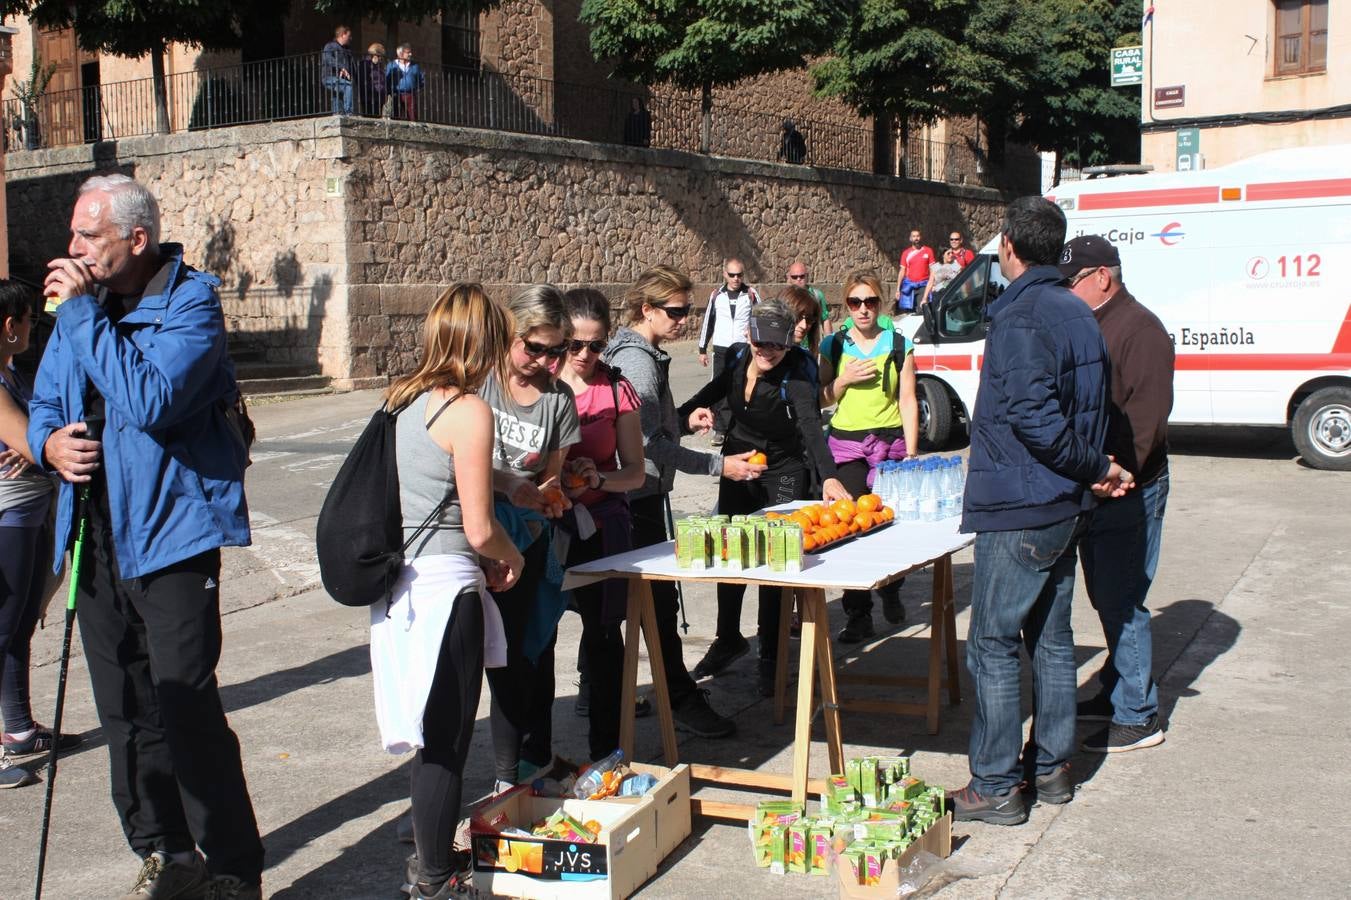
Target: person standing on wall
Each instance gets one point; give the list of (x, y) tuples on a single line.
[(337, 70), (1037, 436), (139, 347), (404, 80), (1120, 549), (726, 320), (914, 273), (657, 305)]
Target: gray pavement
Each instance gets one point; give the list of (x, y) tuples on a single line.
[(1245, 798)]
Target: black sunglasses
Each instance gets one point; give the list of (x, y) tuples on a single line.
[(593, 346), (769, 347), (856, 302), (675, 312), (537, 350), (735, 274), (797, 277)]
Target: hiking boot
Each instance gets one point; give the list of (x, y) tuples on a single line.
[(892, 608), (1056, 787), (1118, 738), (14, 776), (1098, 709), (40, 742), (697, 717), (456, 885), (229, 887), (857, 628), (969, 805), (764, 678), (721, 654), (161, 878)]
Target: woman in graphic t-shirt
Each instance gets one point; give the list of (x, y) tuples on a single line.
[(536, 422), (868, 373), (605, 464)]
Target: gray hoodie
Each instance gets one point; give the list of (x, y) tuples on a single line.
[(648, 368)]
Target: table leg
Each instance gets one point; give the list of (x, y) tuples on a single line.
[(662, 696), (825, 665), (629, 693), (937, 619), (950, 631), (781, 657), (802, 733)]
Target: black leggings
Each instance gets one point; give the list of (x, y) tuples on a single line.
[(601, 654), (447, 727), (25, 554), (521, 712), (854, 477), (779, 484)]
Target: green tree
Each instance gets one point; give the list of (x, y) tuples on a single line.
[(703, 44), (1075, 113)]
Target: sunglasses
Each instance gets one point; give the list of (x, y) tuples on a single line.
[(802, 277), (538, 350), (675, 312), (769, 347), (856, 302), (954, 240), (735, 274), (593, 346)]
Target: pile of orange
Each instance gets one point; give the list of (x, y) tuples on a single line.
[(824, 524)]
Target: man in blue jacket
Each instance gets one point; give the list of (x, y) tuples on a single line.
[(131, 408), (1036, 460)]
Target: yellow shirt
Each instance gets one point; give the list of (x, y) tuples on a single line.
[(868, 405)]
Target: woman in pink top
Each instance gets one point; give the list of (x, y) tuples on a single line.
[(601, 469)]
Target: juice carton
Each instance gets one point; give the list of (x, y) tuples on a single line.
[(820, 842), (853, 771), (878, 824), (798, 852), (874, 858), (908, 788), (904, 807), (778, 849), (761, 542), (733, 546), (853, 859), (691, 546), (774, 546), (867, 782), (837, 790), (893, 768), (792, 547)]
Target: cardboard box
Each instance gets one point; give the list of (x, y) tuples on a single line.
[(937, 840), (613, 868), (671, 799)]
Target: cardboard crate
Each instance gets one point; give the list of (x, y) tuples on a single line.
[(937, 840), (671, 799), (615, 867)]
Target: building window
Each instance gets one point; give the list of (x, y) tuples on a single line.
[(1301, 36), (459, 37)]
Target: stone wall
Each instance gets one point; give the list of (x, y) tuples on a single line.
[(333, 238)]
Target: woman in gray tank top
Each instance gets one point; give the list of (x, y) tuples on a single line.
[(444, 449)]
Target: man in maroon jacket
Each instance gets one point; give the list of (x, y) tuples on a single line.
[(1120, 550)]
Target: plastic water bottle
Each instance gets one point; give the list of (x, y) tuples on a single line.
[(592, 778), (929, 492), (907, 499)]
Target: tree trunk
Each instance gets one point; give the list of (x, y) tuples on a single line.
[(161, 89), (1059, 163), (904, 156), (706, 128)]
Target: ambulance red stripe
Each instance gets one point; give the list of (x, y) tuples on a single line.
[(1300, 190), (1263, 362), (1162, 197)]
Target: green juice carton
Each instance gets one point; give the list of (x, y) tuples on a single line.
[(733, 546), (792, 547), (761, 542), (837, 790), (867, 783), (870, 866), (778, 849), (798, 851), (908, 788), (853, 773), (819, 844), (774, 547), (691, 546)]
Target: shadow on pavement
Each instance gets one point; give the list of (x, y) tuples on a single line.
[(352, 662), (1237, 442)]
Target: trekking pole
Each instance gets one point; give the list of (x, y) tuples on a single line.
[(76, 556), (670, 536)]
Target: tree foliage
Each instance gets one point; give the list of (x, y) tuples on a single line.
[(703, 44)]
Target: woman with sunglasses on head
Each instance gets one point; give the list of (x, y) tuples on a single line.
[(428, 646), (868, 374), (601, 467), (536, 424), (770, 388), (657, 305)]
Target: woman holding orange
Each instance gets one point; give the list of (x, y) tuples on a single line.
[(771, 395), (868, 374)]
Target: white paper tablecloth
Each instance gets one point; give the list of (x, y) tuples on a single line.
[(863, 563)]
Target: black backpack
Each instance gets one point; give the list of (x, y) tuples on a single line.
[(359, 535)]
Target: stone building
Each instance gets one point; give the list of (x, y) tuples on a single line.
[(1228, 79)]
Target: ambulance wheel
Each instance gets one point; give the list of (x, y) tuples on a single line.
[(1322, 429), (935, 414)]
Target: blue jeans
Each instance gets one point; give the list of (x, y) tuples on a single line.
[(341, 91), (1120, 556), (1020, 597)]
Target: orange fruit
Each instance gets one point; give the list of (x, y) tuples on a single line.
[(829, 518), (758, 459), (888, 514), (864, 520), (771, 516), (869, 503), (813, 512), (854, 527), (808, 542), (801, 520), (844, 509)]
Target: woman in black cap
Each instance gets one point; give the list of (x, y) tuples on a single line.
[(771, 391)]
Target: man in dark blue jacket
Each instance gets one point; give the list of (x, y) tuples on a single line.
[(1036, 460), (140, 346)]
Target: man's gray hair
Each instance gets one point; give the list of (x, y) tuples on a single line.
[(130, 204)]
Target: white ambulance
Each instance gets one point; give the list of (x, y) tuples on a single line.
[(1249, 267)]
